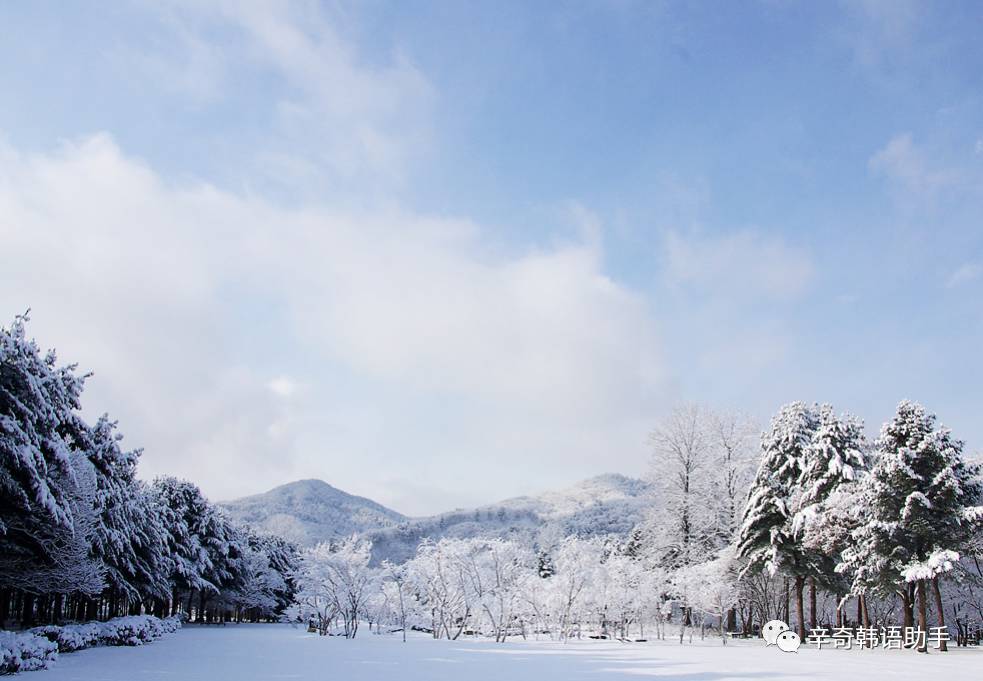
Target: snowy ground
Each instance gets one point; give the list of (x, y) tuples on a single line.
[(255, 652)]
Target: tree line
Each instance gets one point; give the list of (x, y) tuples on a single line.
[(739, 529), (81, 538), (807, 522), (890, 523)]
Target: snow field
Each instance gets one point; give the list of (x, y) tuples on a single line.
[(278, 652)]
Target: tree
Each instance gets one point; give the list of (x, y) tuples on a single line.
[(47, 487), (37, 401), (398, 586), (767, 538), (920, 500), (183, 511), (335, 581), (683, 524), (494, 569), (60, 559), (733, 441), (130, 540), (833, 460), (577, 563), (711, 588), (258, 584)]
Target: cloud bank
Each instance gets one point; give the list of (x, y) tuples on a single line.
[(244, 343)]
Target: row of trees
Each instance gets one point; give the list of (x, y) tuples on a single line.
[(826, 512), (885, 520), (496, 587), (82, 538)]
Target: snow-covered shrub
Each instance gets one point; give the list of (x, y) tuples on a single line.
[(128, 631), (122, 631), (25, 652), (173, 623), (91, 632), (69, 638), (136, 630)]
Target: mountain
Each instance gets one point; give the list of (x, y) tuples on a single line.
[(606, 504), (310, 511)]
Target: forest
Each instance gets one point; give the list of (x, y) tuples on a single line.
[(809, 522), (82, 538)]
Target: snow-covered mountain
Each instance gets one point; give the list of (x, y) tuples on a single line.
[(310, 511), (606, 504)]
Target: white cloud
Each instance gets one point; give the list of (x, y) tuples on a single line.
[(283, 386), (964, 274), (743, 266), (909, 167), (334, 116), (425, 353)]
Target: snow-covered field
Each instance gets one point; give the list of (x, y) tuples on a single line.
[(259, 652)]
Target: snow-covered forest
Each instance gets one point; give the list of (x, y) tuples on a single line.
[(813, 525), (809, 523), (82, 538)]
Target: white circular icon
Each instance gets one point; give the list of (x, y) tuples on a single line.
[(772, 629), (788, 641)]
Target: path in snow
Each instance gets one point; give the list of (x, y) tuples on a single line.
[(280, 652)]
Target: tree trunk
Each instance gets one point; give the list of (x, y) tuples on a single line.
[(800, 606), (787, 609), (27, 611), (938, 608), (5, 597), (906, 609), (56, 609), (812, 603), (922, 617), (864, 616)]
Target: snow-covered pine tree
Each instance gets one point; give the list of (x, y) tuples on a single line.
[(183, 511), (254, 593), (835, 458), (281, 556), (767, 538), (228, 544), (130, 540), (46, 490), (828, 535), (57, 559), (917, 500), (37, 399)]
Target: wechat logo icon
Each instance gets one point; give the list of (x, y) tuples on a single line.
[(772, 630)]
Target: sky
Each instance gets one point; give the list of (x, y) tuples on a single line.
[(440, 254)]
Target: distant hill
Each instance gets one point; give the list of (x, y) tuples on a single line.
[(310, 511), (606, 504)]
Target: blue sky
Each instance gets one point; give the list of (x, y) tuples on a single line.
[(443, 253)]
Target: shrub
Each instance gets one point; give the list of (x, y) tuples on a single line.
[(38, 647), (25, 652)]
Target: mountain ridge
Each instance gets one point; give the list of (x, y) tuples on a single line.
[(310, 511)]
